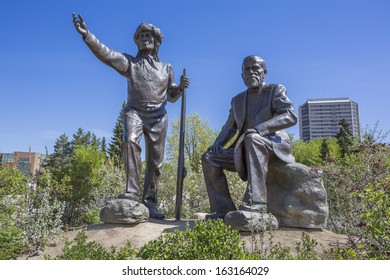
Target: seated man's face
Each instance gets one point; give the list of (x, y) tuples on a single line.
[(252, 73)]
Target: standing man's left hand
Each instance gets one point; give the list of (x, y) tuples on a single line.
[(184, 82)]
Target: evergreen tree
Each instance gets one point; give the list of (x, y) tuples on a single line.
[(84, 138), (344, 138), (115, 146), (61, 154), (103, 146), (324, 150), (94, 141), (80, 137)]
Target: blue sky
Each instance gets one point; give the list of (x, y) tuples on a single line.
[(51, 84)]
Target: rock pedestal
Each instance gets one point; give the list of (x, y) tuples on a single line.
[(124, 211), (296, 195), (296, 198)]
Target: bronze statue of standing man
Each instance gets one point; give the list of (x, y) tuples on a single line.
[(150, 84)]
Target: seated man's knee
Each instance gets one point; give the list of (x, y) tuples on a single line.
[(251, 137), (254, 138)]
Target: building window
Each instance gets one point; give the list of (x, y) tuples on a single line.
[(23, 165)]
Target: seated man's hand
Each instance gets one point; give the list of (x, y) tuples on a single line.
[(214, 149), (250, 130)]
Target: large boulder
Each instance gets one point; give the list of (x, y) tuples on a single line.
[(296, 195), (124, 211)]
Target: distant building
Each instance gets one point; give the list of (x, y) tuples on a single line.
[(321, 117), (27, 162)]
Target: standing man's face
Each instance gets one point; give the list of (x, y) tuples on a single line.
[(252, 73), (146, 41)]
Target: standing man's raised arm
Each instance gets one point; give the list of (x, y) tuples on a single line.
[(112, 58)]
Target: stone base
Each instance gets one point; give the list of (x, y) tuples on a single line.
[(296, 195), (251, 221), (124, 211)]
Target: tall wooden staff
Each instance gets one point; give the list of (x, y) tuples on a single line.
[(181, 170)]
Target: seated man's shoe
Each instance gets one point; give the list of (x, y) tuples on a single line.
[(155, 214), (218, 215), (260, 207)]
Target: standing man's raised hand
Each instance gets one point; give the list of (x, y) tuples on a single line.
[(80, 25)]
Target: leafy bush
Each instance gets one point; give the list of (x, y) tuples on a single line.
[(41, 220), (12, 181), (11, 242), (208, 240), (305, 248), (13, 193), (84, 185), (358, 192), (90, 218), (80, 249), (311, 153)]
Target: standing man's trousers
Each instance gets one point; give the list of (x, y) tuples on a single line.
[(154, 128)]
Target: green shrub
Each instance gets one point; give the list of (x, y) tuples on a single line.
[(11, 242), (208, 240), (12, 181), (90, 218), (305, 248), (80, 249), (358, 189), (41, 220)]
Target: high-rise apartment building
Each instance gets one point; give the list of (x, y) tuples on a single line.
[(321, 117)]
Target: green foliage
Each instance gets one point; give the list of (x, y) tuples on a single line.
[(344, 138), (103, 146), (208, 240), (80, 249), (195, 198), (12, 181), (79, 182), (279, 252), (28, 221), (41, 220), (375, 220), (13, 191), (115, 146), (358, 194), (84, 172), (312, 153), (324, 150), (82, 138), (305, 248), (11, 242), (194, 192), (198, 137), (13, 194), (344, 253), (90, 218), (58, 162), (112, 180)]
